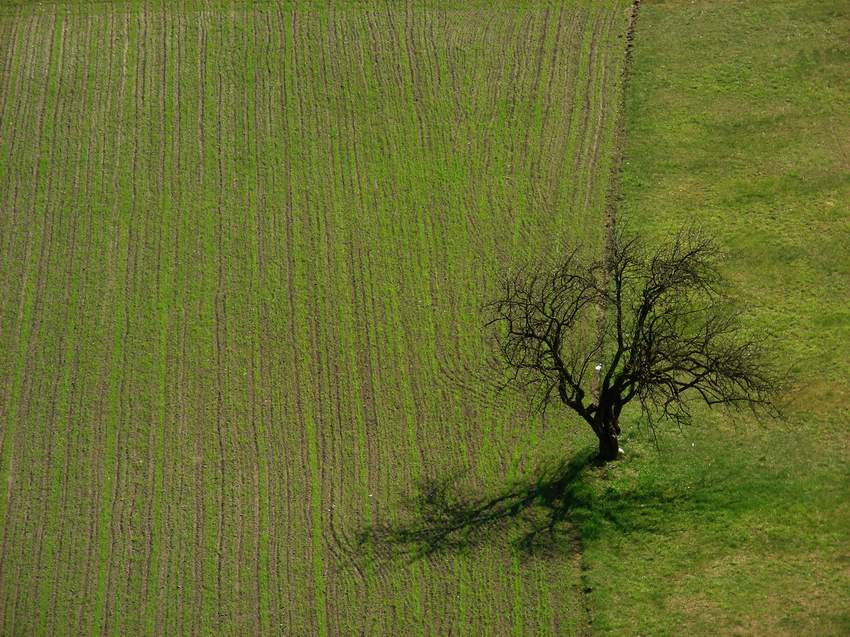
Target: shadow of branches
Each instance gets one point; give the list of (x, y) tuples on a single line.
[(532, 515), (567, 505)]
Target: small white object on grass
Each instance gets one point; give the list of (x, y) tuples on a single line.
[(598, 367)]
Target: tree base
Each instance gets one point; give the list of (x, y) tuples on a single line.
[(609, 448)]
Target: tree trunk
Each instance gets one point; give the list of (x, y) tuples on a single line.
[(607, 428), (609, 446)]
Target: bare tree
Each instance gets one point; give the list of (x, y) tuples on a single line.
[(653, 326)]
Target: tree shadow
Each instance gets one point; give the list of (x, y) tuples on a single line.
[(532, 515), (568, 505)]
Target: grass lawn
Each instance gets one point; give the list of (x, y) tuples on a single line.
[(738, 116)]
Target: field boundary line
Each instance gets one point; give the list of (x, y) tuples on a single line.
[(614, 194), (609, 220)]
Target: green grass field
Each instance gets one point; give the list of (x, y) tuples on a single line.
[(738, 118), (243, 248)]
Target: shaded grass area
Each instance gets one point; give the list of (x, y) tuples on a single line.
[(447, 514), (738, 119)]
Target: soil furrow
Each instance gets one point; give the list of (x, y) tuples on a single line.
[(115, 558), (220, 336), (14, 381), (22, 347), (31, 393), (72, 349), (198, 523), (88, 390)]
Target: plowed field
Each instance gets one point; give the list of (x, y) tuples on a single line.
[(242, 250)]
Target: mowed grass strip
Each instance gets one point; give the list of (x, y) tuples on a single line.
[(737, 120), (243, 250)]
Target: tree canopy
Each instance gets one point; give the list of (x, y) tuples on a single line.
[(651, 325)]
